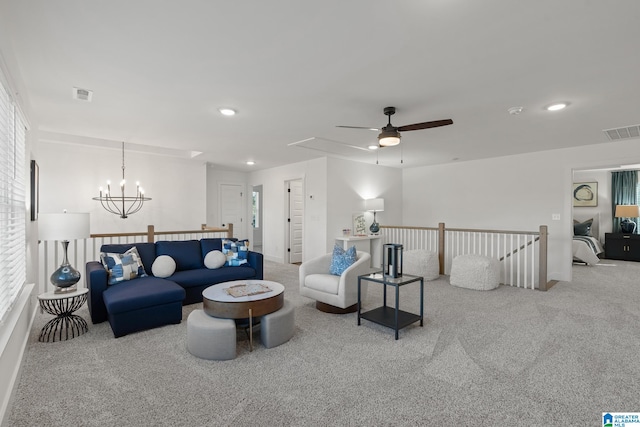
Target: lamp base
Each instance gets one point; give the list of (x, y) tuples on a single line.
[(65, 277), (627, 226), (374, 228)]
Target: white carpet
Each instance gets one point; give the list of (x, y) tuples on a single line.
[(503, 357)]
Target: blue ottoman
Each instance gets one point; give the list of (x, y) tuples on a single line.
[(143, 303)]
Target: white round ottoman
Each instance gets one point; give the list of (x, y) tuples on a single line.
[(277, 328), (421, 263), (210, 337), (475, 272)]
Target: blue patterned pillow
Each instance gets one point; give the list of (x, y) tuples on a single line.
[(341, 259), (124, 266), (236, 252)]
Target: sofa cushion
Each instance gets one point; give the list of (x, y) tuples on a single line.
[(214, 259), (236, 251), (163, 266), (121, 267), (147, 252), (209, 245), (204, 276), (187, 254), (139, 293)]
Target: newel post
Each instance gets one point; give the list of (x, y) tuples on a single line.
[(441, 246), (150, 233), (230, 232), (542, 267)]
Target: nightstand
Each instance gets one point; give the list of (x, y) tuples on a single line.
[(622, 246)]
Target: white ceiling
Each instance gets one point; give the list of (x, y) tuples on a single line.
[(159, 70)]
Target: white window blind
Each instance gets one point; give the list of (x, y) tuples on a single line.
[(12, 204)]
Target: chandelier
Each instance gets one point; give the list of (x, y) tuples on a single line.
[(122, 205)]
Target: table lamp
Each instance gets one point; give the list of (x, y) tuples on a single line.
[(64, 227), (626, 212), (374, 205)]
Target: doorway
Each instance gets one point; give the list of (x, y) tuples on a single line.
[(231, 207), (256, 218), (294, 220)]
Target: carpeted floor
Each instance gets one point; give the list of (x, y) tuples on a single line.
[(503, 357)]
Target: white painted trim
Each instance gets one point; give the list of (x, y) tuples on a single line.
[(14, 335)]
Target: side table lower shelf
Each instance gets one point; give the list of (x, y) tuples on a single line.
[(386, 316)]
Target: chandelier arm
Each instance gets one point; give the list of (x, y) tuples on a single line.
[(106, 205), (137, 204), (112, 206)]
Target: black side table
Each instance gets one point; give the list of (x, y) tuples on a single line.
[(65, 325), (393, 318)]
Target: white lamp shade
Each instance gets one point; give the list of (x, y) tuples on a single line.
[(627, 211), (374, 205), (63, 226)]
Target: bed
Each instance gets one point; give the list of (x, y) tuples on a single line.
[(586, 245)]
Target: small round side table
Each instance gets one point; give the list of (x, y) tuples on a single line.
[(65, 325)]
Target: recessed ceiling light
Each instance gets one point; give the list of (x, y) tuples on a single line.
[(227, 111), (251, 162), (515, 110), (557, 107), (373, 147)]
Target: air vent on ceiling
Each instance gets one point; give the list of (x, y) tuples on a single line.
[(627, 132), (82, 94)]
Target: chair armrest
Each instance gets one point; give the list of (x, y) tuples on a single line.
[(349, 278), (256, 260), (97, 283)]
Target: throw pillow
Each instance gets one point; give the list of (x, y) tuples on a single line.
[(341, 259), (236, 251), (582, 228), (163, 266), (123, 267), (214, 259)]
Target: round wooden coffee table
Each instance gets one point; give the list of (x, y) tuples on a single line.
[(217, 302)]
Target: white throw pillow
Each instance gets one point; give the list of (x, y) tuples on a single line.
[(214, 259), (163, 266)]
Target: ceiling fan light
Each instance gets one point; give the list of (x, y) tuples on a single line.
[(389, 137)]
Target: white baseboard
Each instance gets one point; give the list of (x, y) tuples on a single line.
[(14, 335)]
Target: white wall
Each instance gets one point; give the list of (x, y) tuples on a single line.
[(70, 176), (314, 175), (510, 193), (350, 183)]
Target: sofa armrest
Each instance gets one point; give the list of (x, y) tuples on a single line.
[(97, 283), (256, 260)]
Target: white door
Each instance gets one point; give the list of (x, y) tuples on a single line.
[(256, 210), (295, 220), (231, 207)]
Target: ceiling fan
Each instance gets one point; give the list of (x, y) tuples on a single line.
[(390, 135)]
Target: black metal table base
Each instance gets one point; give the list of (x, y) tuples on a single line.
[(62, 328), (66, 325)]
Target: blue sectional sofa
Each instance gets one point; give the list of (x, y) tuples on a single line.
[(149, 302)]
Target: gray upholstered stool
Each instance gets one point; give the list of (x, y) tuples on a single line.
[(475, 272), (211, 337), (421, 263), (277, 328)]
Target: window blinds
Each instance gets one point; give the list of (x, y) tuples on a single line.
[(12, 204)]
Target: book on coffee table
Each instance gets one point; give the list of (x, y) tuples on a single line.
[(245, 290)]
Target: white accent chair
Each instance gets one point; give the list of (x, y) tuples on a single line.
[(334, 294)]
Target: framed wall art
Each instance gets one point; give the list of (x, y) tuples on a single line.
[(35, 190), (585, 194)]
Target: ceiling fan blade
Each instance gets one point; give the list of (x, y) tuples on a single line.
[(426, 125), (359, 127)]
